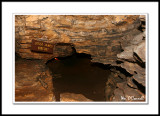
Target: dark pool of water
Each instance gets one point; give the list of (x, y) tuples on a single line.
[(77, 74)]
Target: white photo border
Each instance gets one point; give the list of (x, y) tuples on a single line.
[(8, 72), (84, 103)]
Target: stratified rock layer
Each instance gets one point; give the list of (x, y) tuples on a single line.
[(97, 35)]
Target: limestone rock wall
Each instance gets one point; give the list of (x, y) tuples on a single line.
[(127, 81), (98, 35)]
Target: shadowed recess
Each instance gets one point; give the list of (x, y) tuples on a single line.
[(77, 74)]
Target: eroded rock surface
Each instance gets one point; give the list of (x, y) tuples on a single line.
[(33, 81), (97, 35), (133, 60), (116, 40)]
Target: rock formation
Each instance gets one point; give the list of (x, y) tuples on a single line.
[(115, 40)]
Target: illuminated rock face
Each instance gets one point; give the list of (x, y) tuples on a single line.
[(118, 40), (98, 35)]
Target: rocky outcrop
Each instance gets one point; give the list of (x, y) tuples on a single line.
[(132, 60)]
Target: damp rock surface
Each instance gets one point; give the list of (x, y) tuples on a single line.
[(28, 87), (35, 83), (97, 35)]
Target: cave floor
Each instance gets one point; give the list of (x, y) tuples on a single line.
[(27, 86), (29, 89)]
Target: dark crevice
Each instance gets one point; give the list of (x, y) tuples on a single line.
[(139, 61), (140, 87), (77, 74), (142, 26), (119, 62), (100, 65), (17, 56), (122, 70), (143, 22)]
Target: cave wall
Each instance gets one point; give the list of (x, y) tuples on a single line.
[(128, 78), (97, 35), (118, 40)]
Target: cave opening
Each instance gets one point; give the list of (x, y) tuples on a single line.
[(78, 75)]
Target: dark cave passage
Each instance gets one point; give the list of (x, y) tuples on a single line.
[(77, 74)]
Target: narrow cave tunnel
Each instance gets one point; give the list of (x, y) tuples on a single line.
[(77, 74)]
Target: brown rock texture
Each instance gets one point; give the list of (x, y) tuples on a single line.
[(133, 60), (97, 35), (117, 40), (33, 81), (71, 97)]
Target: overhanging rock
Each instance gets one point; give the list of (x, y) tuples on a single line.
[(98, 35)]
